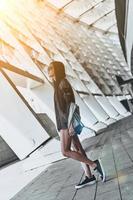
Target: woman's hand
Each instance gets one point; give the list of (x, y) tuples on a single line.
[(71, 130)]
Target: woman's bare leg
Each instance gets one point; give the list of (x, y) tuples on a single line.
[(66, 141), (76, 145)]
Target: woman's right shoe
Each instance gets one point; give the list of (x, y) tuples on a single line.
[(86, 181)]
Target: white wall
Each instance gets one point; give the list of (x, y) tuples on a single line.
[(44, 95), (18, 126)]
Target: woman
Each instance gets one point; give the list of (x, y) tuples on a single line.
[(63, 96)]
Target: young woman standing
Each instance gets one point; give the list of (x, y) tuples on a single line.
[(63, 96)]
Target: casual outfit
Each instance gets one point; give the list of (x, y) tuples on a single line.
[(63, 97)]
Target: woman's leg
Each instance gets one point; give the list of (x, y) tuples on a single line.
[(66, 141), (76, 145)]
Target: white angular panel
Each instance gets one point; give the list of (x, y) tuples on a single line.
[(118, 106), (100, 10), (76, 65), (11, 18), (108, 107), (87, 117), (59, 3), (45, 96), (106, 22), (18, 126), (25, 61), (77, 84), (69, 71), (78, 7), (97, 109)]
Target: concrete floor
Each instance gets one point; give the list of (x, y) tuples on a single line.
[(114, 147), (17, 175)]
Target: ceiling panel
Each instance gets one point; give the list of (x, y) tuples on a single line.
[(99, 13), (59, 3), (78, 7)]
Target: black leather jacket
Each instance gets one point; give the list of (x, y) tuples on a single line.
[(63, 96)]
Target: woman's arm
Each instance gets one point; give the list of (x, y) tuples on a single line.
[(68, 97), (67, 91)]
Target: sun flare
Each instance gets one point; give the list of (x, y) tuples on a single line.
[(3, 4)]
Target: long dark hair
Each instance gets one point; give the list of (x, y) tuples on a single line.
[(59, 70)]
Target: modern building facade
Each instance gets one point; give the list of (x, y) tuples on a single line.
[(81, 34)]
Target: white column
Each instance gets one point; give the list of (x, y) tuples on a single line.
[(18, 126), (129, 32)]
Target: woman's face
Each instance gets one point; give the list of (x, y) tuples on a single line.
[(51, 73)]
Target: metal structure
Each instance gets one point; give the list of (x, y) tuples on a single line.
[(80, 33)]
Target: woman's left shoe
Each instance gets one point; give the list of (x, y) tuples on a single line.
[(100, 170)]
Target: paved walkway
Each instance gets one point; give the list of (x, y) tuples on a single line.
[(114, 147)]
